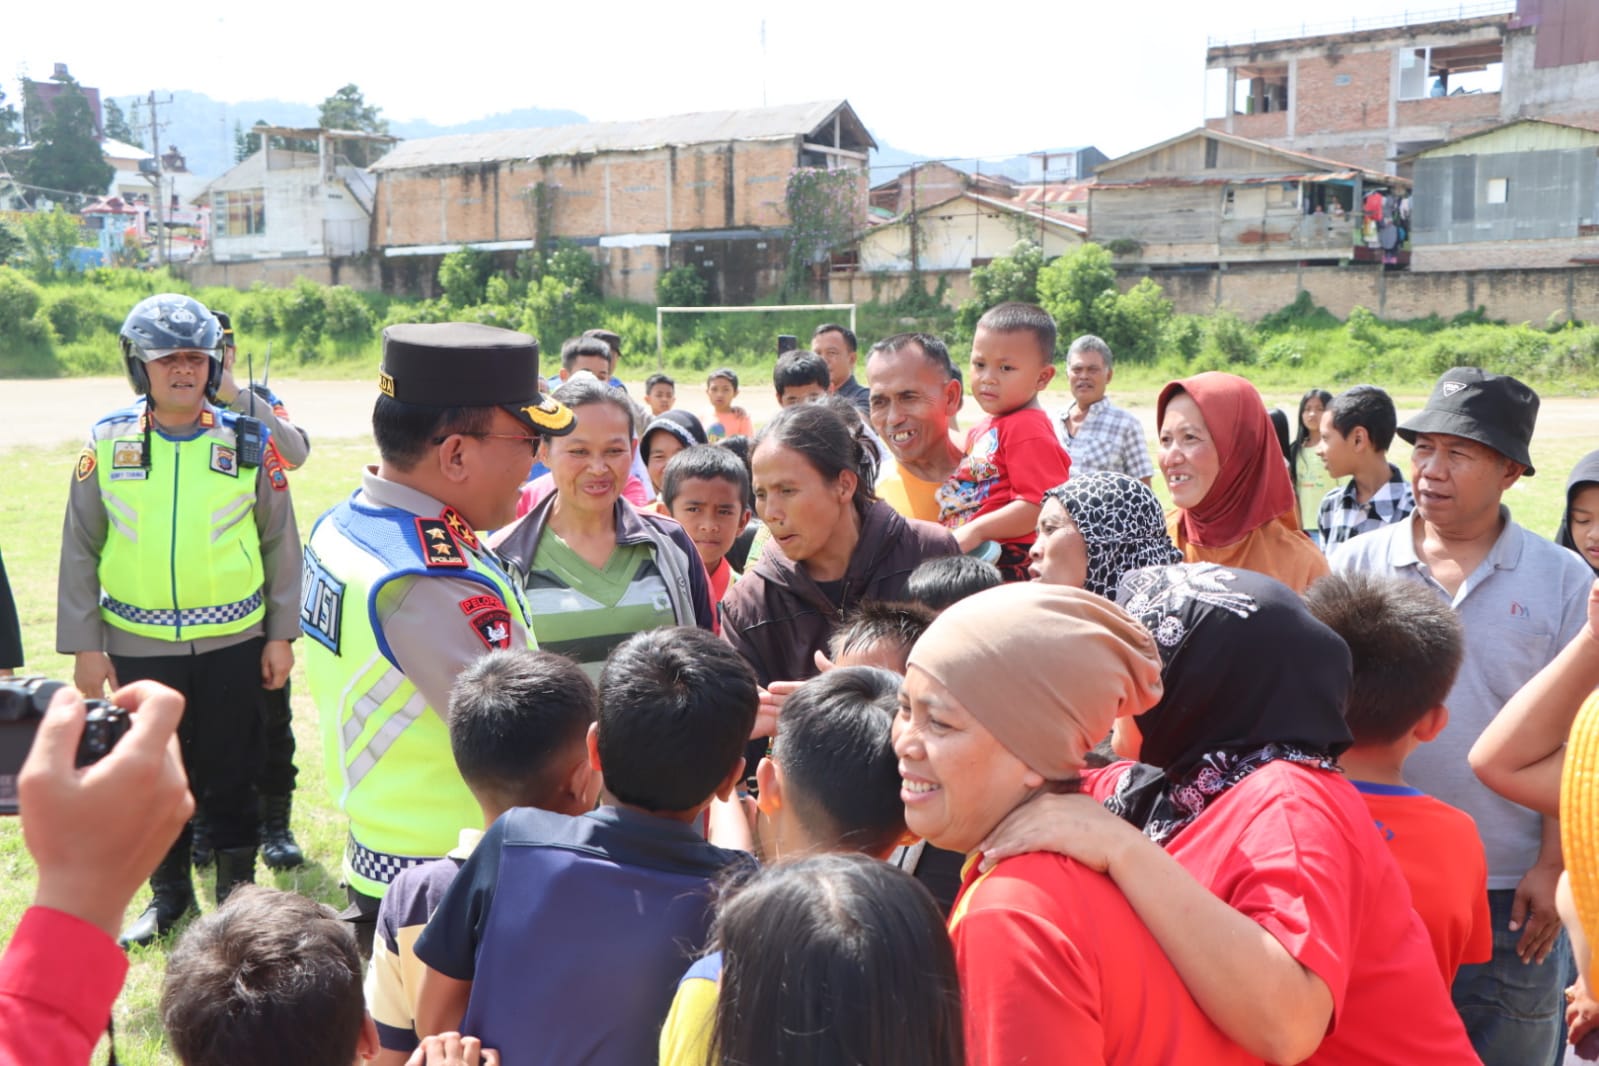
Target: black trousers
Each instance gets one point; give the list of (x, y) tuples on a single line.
[(220, 734), (277, 743)]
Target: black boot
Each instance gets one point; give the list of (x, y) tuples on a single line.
[(235, 866), (173, 899), (201, 846), (278, 847)]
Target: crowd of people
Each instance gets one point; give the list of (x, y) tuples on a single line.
[(852, 739)]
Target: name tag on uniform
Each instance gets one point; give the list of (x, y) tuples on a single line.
[(224, 460), (129, 475)]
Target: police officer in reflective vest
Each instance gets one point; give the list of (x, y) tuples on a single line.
[(401, 593), (180, 563)]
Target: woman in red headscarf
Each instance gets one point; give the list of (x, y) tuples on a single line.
[(1234, 501)]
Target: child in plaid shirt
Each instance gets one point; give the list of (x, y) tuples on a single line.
[(1356, 430)]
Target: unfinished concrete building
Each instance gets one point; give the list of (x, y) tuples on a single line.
[(1378, 91)]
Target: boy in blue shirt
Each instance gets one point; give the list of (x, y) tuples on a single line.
[(561, 939)]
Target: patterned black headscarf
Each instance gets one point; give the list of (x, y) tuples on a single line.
[(1251, 677), (1122, 525)]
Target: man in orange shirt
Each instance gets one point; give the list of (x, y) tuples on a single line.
[(914, 396)]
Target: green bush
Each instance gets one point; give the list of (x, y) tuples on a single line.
[(681, 287), (79, 313), (20, 300), (462, 276)]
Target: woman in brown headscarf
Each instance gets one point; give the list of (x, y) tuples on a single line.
[(1235, 503), (1053, 963)]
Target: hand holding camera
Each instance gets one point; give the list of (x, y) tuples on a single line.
[(96, 830)]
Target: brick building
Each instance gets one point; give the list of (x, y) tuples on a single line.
[(1373, 95), (705, 189)]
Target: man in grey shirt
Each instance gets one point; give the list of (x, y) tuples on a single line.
[(1520, 600)]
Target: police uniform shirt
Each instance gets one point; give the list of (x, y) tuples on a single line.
[(429, 652)]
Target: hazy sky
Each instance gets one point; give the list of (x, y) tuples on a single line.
[(1115, 73)]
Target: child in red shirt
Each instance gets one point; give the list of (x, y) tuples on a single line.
[(707, 489), (1013, 455), (1406, 645)]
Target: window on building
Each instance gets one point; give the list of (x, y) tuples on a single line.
[(1261, 89), (1498, 190), (239, 213), (1459, 70), (1212, 153)]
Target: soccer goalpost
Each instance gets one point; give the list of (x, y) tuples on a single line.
[(662, 312)]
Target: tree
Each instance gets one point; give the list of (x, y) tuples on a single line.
[(246, 142), (1007, 277), (10, 124), (347, 109), (1070, 289), (51, 236), (116, 125), (66, 154)]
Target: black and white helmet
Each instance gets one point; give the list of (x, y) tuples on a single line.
[(166, 323)]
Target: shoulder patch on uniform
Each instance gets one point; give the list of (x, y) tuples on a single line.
[(224, 460), (321, 603), (493, 628), (86, 464), (473, 604), (275, 469), (460, 527), (439, 548), (207, 419)]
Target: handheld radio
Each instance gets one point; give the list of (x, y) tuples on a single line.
[(251, 433)]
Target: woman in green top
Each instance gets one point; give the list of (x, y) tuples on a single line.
[(593, 568)]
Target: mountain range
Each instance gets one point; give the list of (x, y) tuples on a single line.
[(203, 129)]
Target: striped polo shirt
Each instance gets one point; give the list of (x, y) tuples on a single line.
[(583, 611)]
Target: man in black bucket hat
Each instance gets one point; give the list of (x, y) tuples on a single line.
[(1520, 599), (401, 592)]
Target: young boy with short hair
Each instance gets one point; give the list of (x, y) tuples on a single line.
[(879, 633), (563, 938), (1356, 430), (660, 392), (706, 488), (725, 420), (1013, 456), (269, 979), (830, 783), (1406, 644), (800, 377), (519, 723), (939, 583)]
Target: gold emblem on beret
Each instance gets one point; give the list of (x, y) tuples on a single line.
[(385, 384), (548, 414)]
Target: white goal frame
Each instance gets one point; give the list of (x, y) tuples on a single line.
[(661, 312)]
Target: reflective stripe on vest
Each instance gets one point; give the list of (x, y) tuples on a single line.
[(182, 556), (386, 751)]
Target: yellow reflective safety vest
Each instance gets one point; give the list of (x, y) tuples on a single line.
[(387, 752), (182, 555)]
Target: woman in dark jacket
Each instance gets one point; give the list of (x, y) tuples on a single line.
[(833, 544)]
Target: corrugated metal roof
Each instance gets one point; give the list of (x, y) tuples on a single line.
[(1249, 179), (754, 124)]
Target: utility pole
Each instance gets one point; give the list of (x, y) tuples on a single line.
[(162, 253)]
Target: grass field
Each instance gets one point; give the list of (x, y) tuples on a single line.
[(30, 521)]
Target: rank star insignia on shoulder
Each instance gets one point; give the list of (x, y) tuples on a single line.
[(439, 548)]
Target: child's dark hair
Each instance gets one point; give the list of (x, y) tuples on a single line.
[(1406, 645), (834, 327), (1019, 318), (1298, 447), (835, 959), (511, 714), (743, 447), (880, 622), (676, 709), (825, 439), (708, 462), (271, 977), (948, 579), (726, 373), (835, 748), (576, 348), (794, 369), (658, 379), (1368, 407)]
